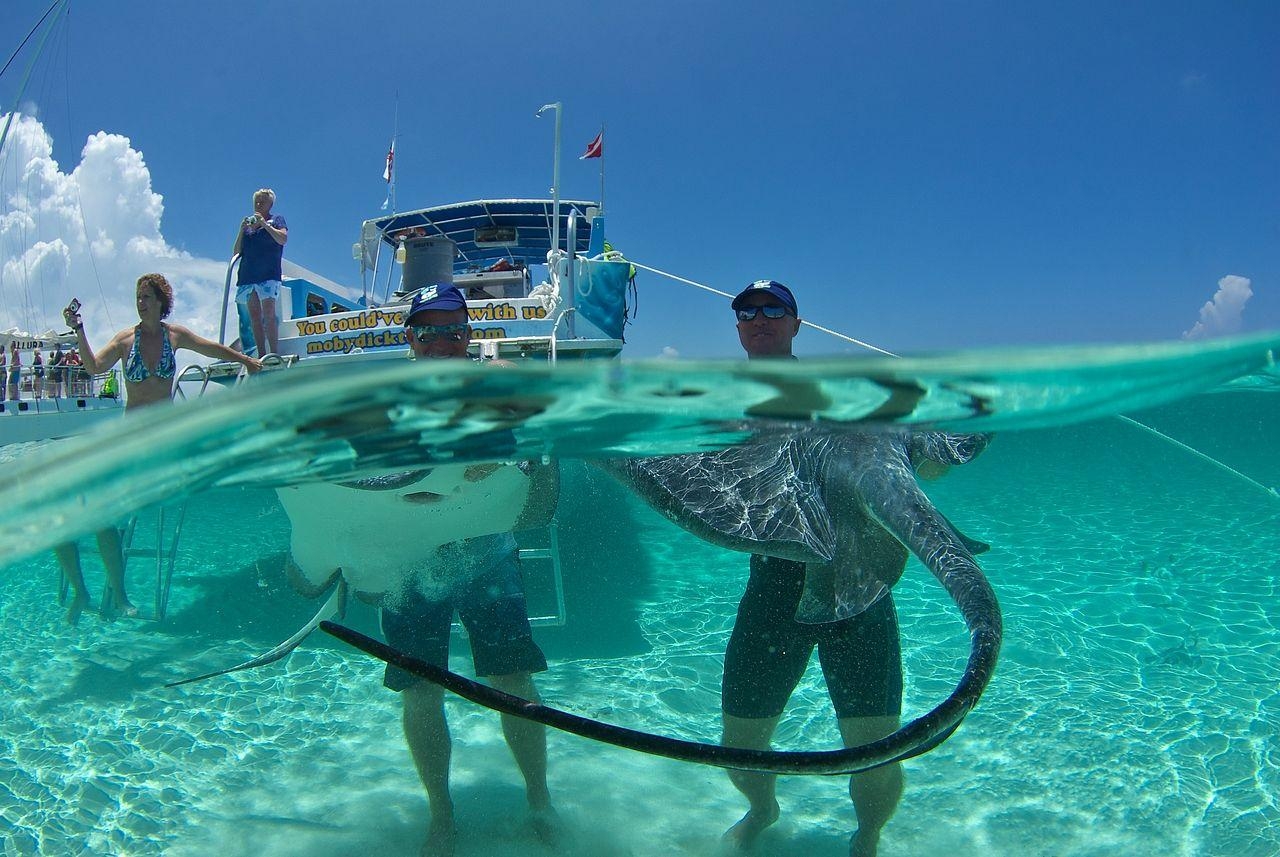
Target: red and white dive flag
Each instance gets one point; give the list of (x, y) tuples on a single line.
[(595, 149), (391, 157)]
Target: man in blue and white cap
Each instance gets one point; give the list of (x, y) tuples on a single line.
[(769, 649), (491, 605), (768, 319)]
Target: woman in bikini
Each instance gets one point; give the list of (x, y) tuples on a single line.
[(150, 371)]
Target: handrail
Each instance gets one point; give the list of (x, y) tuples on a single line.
[(226, 295)]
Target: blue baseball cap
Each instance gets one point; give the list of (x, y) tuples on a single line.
[(441, 296), (774, 288)]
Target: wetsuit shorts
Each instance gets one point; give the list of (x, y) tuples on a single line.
[(492, 609), (769, 650)]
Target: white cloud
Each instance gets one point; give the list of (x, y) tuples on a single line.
[(89, 233), (668, 353), (1223, 314)]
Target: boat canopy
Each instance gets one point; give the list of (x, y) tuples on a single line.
[(486, 230)]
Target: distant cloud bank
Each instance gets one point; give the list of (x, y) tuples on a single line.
[(1223, 314), (89, 233)]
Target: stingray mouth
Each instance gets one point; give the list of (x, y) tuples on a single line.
[(424, 497), (921, 735)]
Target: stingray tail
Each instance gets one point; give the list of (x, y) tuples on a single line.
[(335, 606), (918, 737)]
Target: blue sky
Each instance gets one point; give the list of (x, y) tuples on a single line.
[(927, 176)]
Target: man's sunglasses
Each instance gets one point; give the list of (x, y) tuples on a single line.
[(425, 334), (749, 313)]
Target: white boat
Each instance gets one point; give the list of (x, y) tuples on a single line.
[(490, 249), (36, 412)]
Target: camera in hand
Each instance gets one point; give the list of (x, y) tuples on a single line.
[(72, 308)]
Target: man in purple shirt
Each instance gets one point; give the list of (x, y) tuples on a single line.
[(260, 243)]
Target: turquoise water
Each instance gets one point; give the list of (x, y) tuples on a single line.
[(1135, 709)]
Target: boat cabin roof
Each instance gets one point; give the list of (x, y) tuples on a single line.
[(488, 230)]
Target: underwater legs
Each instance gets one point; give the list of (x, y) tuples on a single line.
[(68, 555), (528, 742), (759, 789), (427, 733), (114, 598), (875, 793), (113, 562)]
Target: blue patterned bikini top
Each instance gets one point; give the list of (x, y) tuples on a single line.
[(135, 370)]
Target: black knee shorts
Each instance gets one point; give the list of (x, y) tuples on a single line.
[(769, 650), (501, 639)]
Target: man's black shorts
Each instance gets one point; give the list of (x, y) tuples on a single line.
[(769, 650), (494, 612)]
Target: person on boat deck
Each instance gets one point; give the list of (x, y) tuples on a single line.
[(4, 375), (57, 365), (77, 384), (492, 607), (769, 649), (15, 370), (150, 370), (37, 375), (260, 243)]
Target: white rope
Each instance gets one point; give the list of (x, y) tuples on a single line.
[(1200, 455), (825, 330)]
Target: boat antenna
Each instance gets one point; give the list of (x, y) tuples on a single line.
[(26, 77), (555, 176)]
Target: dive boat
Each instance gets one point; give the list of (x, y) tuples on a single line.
[(490, 249), (35, 407)]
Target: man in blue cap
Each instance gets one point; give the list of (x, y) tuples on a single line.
[(769, 650), (491, 605)]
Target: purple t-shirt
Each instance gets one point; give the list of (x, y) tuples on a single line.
[(260, 255)]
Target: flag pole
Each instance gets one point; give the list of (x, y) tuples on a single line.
[(602, 168)]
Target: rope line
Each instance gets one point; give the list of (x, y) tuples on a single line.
[(714, 291)]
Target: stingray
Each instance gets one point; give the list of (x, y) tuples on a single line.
[(846, 503), (370, 536)]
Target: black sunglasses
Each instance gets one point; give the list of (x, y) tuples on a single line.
[(749, 313), (425, 334)]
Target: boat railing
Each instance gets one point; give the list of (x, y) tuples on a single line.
[(77, 383)]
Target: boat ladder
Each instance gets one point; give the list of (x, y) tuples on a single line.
[(168, 530), (549, 607), (163, 549), (544, 594)]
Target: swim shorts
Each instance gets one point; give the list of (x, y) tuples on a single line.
[(267, 290), (492, 609), (769, 650)]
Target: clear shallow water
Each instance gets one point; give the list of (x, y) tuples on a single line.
[(1135, 708)]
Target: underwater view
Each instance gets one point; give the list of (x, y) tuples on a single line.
[(1134, 708)]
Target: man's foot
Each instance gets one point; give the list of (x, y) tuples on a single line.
[(861, 845), (441, 836), (123, 606), (74, 610), (742, 836), (547, 826)]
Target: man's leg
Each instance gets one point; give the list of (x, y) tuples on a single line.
[(753, 733), (427, 733), (527, 740), (528, 743), (875, 793)]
